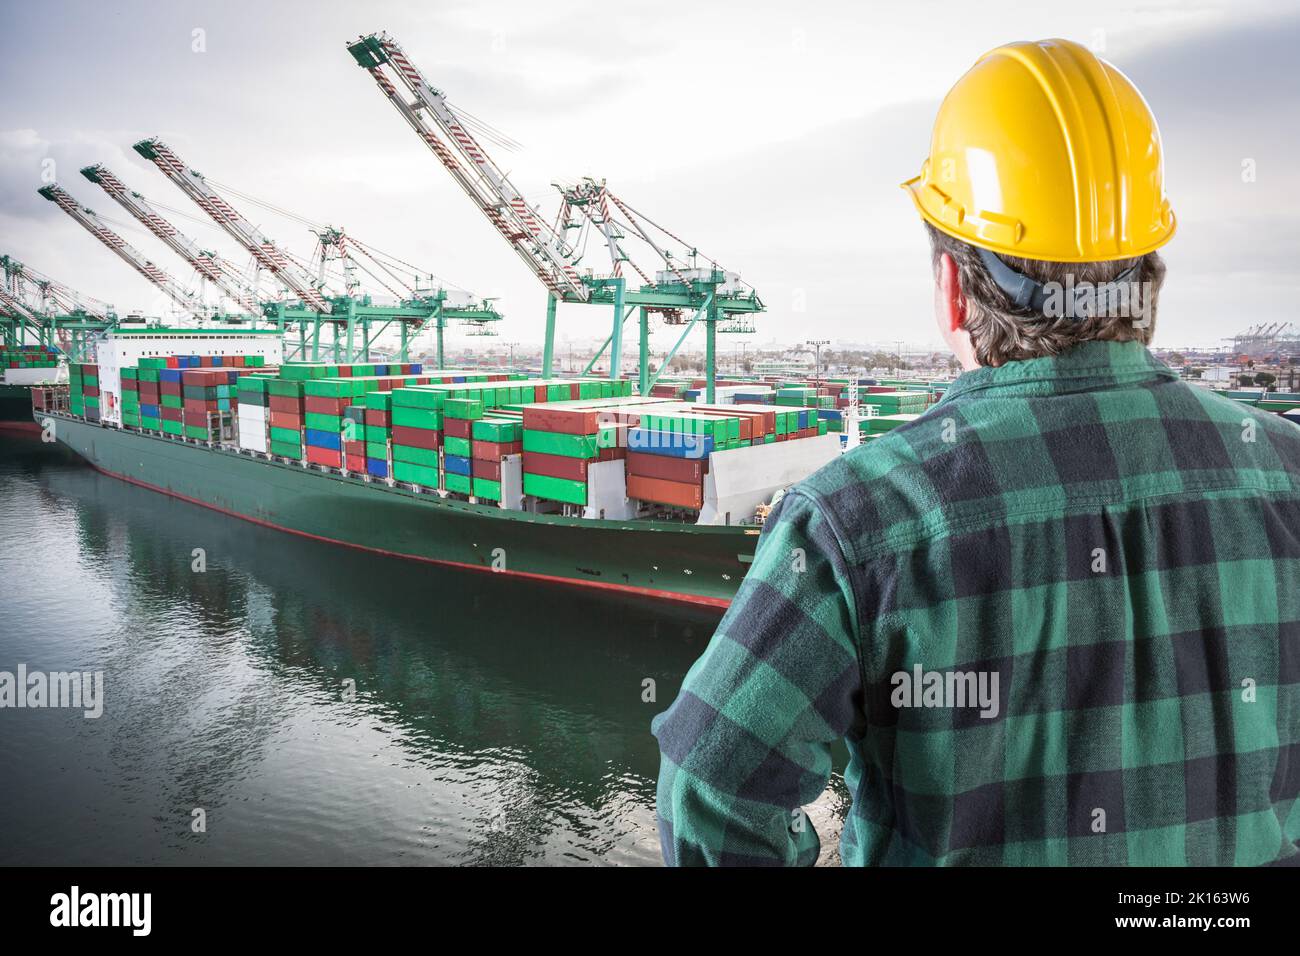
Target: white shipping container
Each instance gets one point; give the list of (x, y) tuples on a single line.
[(252, 432), (255, 413), (252, 437)]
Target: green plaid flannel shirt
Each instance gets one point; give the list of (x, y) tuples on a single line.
[(1119, 550)]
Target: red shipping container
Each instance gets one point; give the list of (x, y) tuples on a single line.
[(539, 393), (205, 376), (417, 437), (377, 417), (90, 391), (169, 414), (355, 462), (170, 388), (555, 466), (354, 448), (568, 421), (321, 405), (666, 468), (765, 413), (677, 493), (481, 468), (198, 419), (285, 403), (285, 420), (496, 450), (458, 427), (324, 456)]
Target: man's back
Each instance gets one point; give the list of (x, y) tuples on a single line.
[(1057, 618)]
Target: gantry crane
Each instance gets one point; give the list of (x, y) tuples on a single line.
[(47, 311), (124, 250), (265, 252), (415, 311), (679, 286), (208, 264)]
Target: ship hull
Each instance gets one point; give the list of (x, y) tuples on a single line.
[(16, 408), (683, 563)]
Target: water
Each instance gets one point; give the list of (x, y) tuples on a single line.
[(494, 721)]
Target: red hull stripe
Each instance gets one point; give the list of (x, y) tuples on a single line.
[(695, 600)]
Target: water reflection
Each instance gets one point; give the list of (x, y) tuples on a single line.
[(494, 721)]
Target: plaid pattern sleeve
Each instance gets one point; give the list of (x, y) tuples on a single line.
[(1056, 620), (746, 744)]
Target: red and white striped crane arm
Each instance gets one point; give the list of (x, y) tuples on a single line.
[(543, 250), (206, 264), (269, 256), (18, 309), (124, 250)]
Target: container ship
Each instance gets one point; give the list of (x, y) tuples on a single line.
[(575, 481)]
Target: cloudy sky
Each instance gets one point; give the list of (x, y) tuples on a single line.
[(772, 135)]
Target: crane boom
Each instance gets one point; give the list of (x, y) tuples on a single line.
[(207, 264), (542, 249), (128, 253), (14, 307), (269, 256)]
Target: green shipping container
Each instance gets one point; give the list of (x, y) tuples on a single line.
[(469, 408), (458, 446), (428, 457), (322, 423), (409, 417), (554, 443), (487, 488), (461, 484), (377, 449), (418, 397), (195, 431), (498, 429), (171, 428), (555, 489), (417, 474), (287, 436), (286, 449), (284, 388)]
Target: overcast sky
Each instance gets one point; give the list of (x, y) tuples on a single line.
[(772, 135)]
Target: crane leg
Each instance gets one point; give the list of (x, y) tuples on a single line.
[(548, 348)]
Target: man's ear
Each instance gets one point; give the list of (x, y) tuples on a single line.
[(950, 302)]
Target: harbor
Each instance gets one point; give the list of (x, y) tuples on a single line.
[(481, 438), (479, 732)]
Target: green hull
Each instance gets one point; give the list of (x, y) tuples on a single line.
[(680, 562), (15, 405)]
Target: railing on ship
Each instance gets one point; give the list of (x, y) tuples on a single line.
[(50, 398)]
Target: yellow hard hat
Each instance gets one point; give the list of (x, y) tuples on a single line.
[(1045, 151)]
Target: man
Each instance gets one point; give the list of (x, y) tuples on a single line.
[(1057, 618)]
